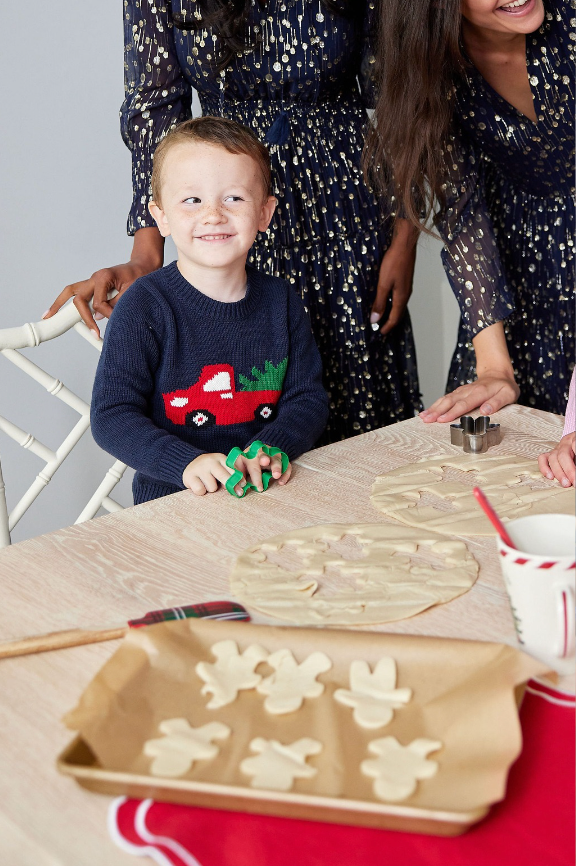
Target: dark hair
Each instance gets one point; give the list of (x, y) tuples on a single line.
[(228, 20), (418, 63), (220, 132)]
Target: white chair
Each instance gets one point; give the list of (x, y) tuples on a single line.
[(27, 336)]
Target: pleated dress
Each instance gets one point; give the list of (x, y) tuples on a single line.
[(509, 231), (302, 87)]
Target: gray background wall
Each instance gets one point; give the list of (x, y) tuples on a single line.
[(65, 195)]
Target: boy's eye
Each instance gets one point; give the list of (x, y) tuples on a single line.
[(233, 198), (192, 200)]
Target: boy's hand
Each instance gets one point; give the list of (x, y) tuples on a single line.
[(252, 468), (204, 474), (559, 463)]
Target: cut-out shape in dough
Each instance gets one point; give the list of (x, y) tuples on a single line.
[(277, 766), (374, 696), (389, 583), (398, 768), (398, 493), (292, 682), (232, 672), (181, 745)]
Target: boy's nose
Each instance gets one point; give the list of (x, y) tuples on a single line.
[(213, 213)]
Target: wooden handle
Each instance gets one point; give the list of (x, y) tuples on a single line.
[(59, 640)]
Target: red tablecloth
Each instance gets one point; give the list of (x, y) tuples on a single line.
[(533, 826)]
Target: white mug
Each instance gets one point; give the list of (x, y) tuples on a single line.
[(539, 576)]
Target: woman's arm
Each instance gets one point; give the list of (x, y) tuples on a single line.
[(147, 256), (396, 275), (494, 387)]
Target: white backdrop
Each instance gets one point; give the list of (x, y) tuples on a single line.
[(66, 192)]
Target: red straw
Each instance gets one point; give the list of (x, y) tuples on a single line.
[(493, 517)]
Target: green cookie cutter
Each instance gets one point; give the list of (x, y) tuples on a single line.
[(253, 450)]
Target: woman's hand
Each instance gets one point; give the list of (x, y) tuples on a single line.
[(488, 394), (396, 275), (559, 463), (494, 388), (147, 256)]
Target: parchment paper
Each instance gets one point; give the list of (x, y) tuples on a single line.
[(463, 695)]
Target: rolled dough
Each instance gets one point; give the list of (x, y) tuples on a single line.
[(389, 582)]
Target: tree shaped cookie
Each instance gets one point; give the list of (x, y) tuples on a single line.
[(292, 682), (181, 745), (398, 768), (276, 766), (373, 695), (231, 672)]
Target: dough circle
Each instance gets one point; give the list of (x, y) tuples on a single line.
[(397, 493), (389, 584)]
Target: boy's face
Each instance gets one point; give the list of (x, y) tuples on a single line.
[(213, 204)]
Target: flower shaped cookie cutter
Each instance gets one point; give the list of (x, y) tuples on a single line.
[(475, 435), (252, 451)]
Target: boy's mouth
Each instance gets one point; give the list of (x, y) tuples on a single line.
[(214, 238)]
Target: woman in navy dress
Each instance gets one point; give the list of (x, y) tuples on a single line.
[(295, 72), (497, 150)]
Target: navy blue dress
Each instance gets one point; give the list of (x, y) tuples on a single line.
[(509, 231), (302, 86)]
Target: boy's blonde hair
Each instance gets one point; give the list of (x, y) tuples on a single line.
[(220, 132)]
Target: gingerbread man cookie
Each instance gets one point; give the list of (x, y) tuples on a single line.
[(292, 682), (398, 768), (232, 672), (181, 745), (373, 695), (277, 765)]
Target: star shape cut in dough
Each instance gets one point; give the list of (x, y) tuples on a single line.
[(277, 765), (398, 768), (373, 695), (292, 682), (181, 745), (231, 672)]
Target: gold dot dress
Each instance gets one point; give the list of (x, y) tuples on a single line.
[(303, 87), (509, 230)]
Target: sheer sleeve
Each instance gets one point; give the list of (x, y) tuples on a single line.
[(366, 75), (156, 94), (470, 255)]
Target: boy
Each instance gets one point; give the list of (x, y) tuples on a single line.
[(207, 354)]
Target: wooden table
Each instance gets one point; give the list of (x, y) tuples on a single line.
[(179, 550)]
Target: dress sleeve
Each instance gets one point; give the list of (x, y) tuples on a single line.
[(157, 96), (470, 256)]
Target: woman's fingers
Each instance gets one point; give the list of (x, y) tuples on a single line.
[(488, 396)]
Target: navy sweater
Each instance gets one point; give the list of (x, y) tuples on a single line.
[(182, 374)]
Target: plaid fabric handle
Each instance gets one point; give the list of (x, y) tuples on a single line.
[(207, 610)]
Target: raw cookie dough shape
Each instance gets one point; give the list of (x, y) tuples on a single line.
[(397, 493), (231, 673), (292, 682), (398, 768), (276, 766), (181, 745), (374, 696), (389, 585)]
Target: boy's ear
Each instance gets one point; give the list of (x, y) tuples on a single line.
[(160, 217), (267, 213)]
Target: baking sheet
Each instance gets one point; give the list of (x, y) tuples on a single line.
[(463, 695)]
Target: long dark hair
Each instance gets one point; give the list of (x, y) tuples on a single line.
[(418, 63), (228, 20)]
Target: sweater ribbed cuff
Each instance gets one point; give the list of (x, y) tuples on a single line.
[(175, 458)]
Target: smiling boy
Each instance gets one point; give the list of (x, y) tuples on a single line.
[(206, 353)]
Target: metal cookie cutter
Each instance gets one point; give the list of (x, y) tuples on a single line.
[(475, 435)]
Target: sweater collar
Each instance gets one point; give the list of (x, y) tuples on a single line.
[(208, 306)]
